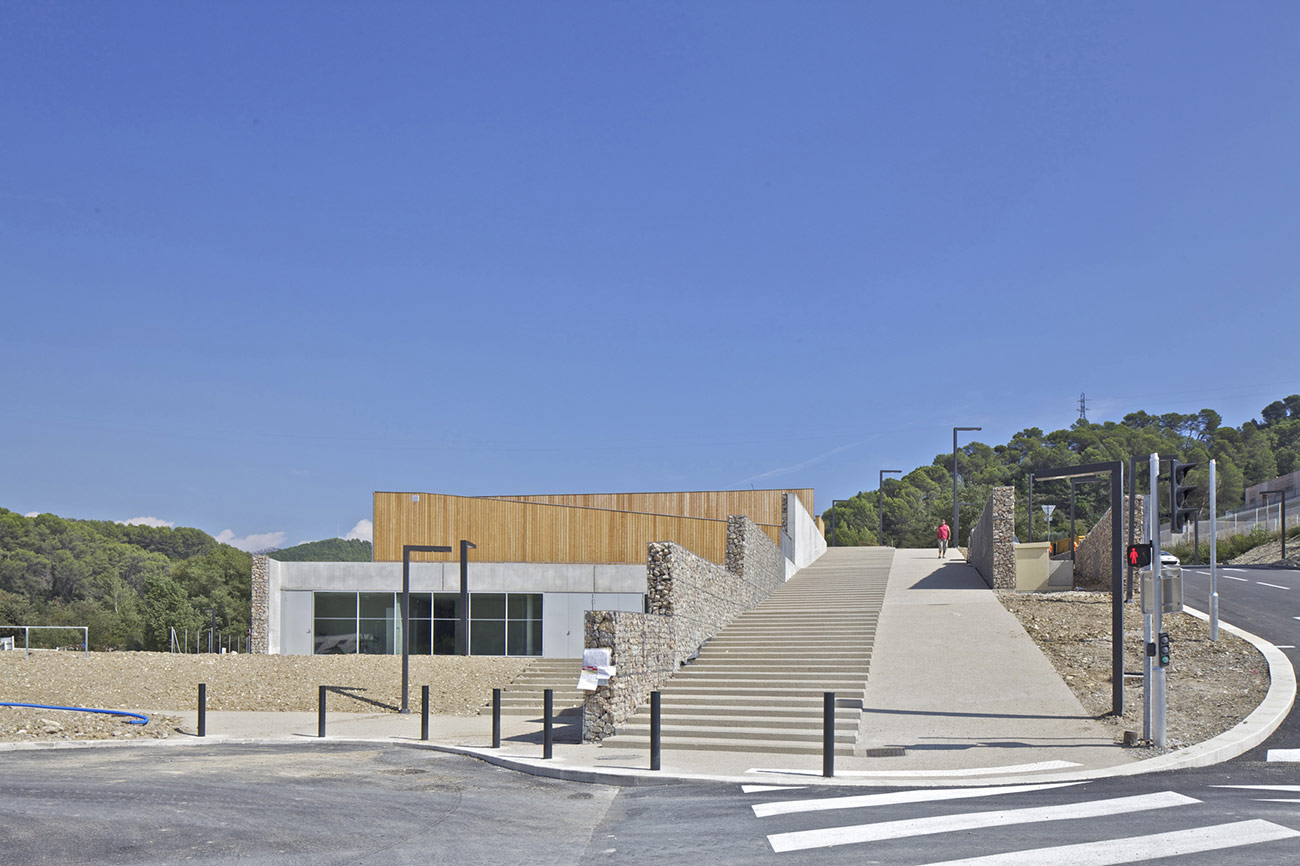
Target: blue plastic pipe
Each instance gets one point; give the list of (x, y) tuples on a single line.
[(135, 718)]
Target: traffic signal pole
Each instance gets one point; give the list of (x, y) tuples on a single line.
[(1153, 623)]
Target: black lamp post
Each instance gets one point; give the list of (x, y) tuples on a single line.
[(880, 504), (407, 550), (1281, 517), (462, 636), (956, 515)]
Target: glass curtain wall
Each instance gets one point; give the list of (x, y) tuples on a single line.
[(371, 622)]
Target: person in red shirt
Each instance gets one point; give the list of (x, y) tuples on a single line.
[(943, 532)]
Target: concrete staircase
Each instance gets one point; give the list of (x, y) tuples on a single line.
[(523, 697), (757, 686)]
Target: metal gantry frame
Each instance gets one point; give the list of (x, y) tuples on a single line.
[(1115, 469)]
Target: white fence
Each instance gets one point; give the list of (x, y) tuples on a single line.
[(1267, 518)]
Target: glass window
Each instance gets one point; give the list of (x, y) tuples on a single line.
[(377, 604), (377, 636), (524, 637), (446, 605), (487, 605), (335, 636), (525, 605), (420, 633), (336, 604), (488, 637), (421, 605), (444, 637)]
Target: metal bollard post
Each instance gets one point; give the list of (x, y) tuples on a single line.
[(321, 718), (655, 740), (828, 734), (203, 709), (496, 718), (548, 697), (424, 712)]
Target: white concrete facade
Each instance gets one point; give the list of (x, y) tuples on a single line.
[(568, 591)]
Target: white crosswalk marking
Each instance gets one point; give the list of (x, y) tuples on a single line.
[(858, 833), (1286, 755), (791, 807), (1242, 579), (759, 789), (1110, 852), (1260, 787), (1273, 585)]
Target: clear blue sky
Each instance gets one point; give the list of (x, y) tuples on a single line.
[(258, 260)]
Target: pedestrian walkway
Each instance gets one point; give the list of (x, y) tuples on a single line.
[(955, 693)]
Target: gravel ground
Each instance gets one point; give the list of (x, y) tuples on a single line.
[(1210, 686), (164, 681)]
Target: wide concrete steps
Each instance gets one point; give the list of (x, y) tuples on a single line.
[(758, 685), (524, 695)]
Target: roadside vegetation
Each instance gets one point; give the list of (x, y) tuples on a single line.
[(914, 504)]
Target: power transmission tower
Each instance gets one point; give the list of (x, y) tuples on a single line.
[(1083, 408)]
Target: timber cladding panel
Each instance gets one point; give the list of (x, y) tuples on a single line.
[(527, 530), (764, 507)]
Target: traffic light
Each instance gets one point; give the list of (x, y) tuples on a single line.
[(1139, 555), (1162, 650), (1179, 509)]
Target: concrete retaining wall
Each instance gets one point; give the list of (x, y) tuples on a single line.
[(802, 541), (991, 545)]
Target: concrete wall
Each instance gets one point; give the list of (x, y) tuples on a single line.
[(1092, 559), (1289, 483), (1036, 571), (689, 599), (620, 586), (802, 541), (991, 545)]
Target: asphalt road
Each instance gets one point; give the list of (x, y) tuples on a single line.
[(341, 803)]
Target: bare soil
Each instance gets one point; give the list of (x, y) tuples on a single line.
[(151, 682), (1210, 686)]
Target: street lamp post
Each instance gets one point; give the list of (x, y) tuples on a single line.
[(956, 514), (407, 550), (1264, 494), (880, 504)]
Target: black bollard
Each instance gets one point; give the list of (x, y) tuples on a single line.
[(203, 709), (424, 712), (496, 718), (321, 719), (828, 734), (655, 740), (548, 697)]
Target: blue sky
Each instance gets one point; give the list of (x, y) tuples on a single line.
[(258, 260)]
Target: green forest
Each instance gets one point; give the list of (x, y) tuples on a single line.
[(130, 585), (914, 504)]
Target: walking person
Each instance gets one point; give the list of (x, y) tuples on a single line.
[(943, 532)]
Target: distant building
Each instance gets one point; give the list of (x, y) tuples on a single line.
[(538, 565), (1289, 483)]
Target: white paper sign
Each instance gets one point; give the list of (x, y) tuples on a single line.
[(596, 669)]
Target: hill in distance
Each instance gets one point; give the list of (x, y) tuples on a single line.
[(329, 550)]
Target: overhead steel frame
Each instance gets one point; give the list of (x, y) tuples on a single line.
[(407, 550), (1115, 469)]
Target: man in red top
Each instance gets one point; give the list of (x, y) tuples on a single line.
[(943, 533)]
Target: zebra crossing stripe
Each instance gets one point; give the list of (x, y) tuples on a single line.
[(1290, 755), (790, 807), (1261, 787), (1133, 849), (802, 840), (759, 789)]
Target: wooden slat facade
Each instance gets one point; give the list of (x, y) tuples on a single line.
[(762, 506), (523, 530)]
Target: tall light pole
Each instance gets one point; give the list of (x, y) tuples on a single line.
[(956, 513), (880, 504), (407, 550)]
